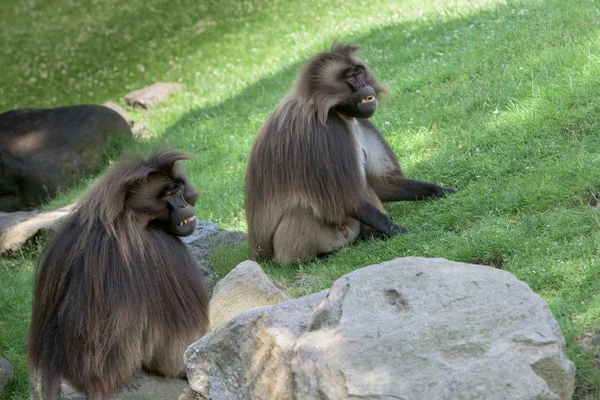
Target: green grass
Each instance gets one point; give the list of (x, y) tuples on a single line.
[(496, 98)]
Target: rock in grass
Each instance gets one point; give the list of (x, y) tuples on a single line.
[(203, 242), (143, 387), (589, 342), (246, 286), (45, 150), (152, 95), (17, 228), (410, 328), (6, 373), (250, 356), (118, 109)]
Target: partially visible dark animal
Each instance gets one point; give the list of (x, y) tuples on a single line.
[(44, 150), (320, 170), (117, 290)]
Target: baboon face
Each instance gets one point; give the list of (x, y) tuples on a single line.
[(361, 101), (338, 80), (168, 199)]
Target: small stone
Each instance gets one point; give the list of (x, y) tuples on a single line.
[(152, 95), (246, 286), (204, 240), (6, 373), (589, 342)]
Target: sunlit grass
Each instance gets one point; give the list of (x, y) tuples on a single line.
[(496, 98)]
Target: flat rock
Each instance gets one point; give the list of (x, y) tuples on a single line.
[(143, 387), (204, 240), (17, 228), (152, 95), (411, 329), (246, 286), (6, 373)]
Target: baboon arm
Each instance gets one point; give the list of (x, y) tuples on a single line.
[(368, 214), (396, 187)]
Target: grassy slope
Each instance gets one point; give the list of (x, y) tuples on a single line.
[(496, 98)]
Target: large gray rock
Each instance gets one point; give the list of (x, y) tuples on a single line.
[(204, 240), (45, 150), (119, 110), (6, 373), (409, 329), (265, 339), (246, 286), (17, 228), (143, 387), (138, 128), (152, 95)]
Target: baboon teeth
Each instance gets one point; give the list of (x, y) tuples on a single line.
[(368, 99), (185, 221)]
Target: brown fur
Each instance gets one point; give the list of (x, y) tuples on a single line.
[(114, 293), (312, 170)]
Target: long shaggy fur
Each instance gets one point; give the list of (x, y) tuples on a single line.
[(303, 159), (320, 170), (113, 293)]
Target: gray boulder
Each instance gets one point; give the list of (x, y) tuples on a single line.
[(6, 373), (143, 387), (17, 228), (117, 108), (152, 95), (250, 356), (44, 150), (204, 240), (246, 286), (409, 329)]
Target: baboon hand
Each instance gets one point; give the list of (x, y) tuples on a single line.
[(444, 191), (397, 230)]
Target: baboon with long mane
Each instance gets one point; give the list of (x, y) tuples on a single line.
[(117, 290), (320, 170)]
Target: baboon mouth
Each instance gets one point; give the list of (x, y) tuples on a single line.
[(368, 99), (185, 221)]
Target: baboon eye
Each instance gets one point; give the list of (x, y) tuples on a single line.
[(172, 192), (354, 73)]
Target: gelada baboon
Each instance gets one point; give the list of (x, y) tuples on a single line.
[(320, 170), (117, 290)]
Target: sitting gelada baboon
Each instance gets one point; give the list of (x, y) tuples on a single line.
[(117, 290), (320, 170)]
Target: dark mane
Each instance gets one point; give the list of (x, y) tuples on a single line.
[(108, 284), (104, 202)]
